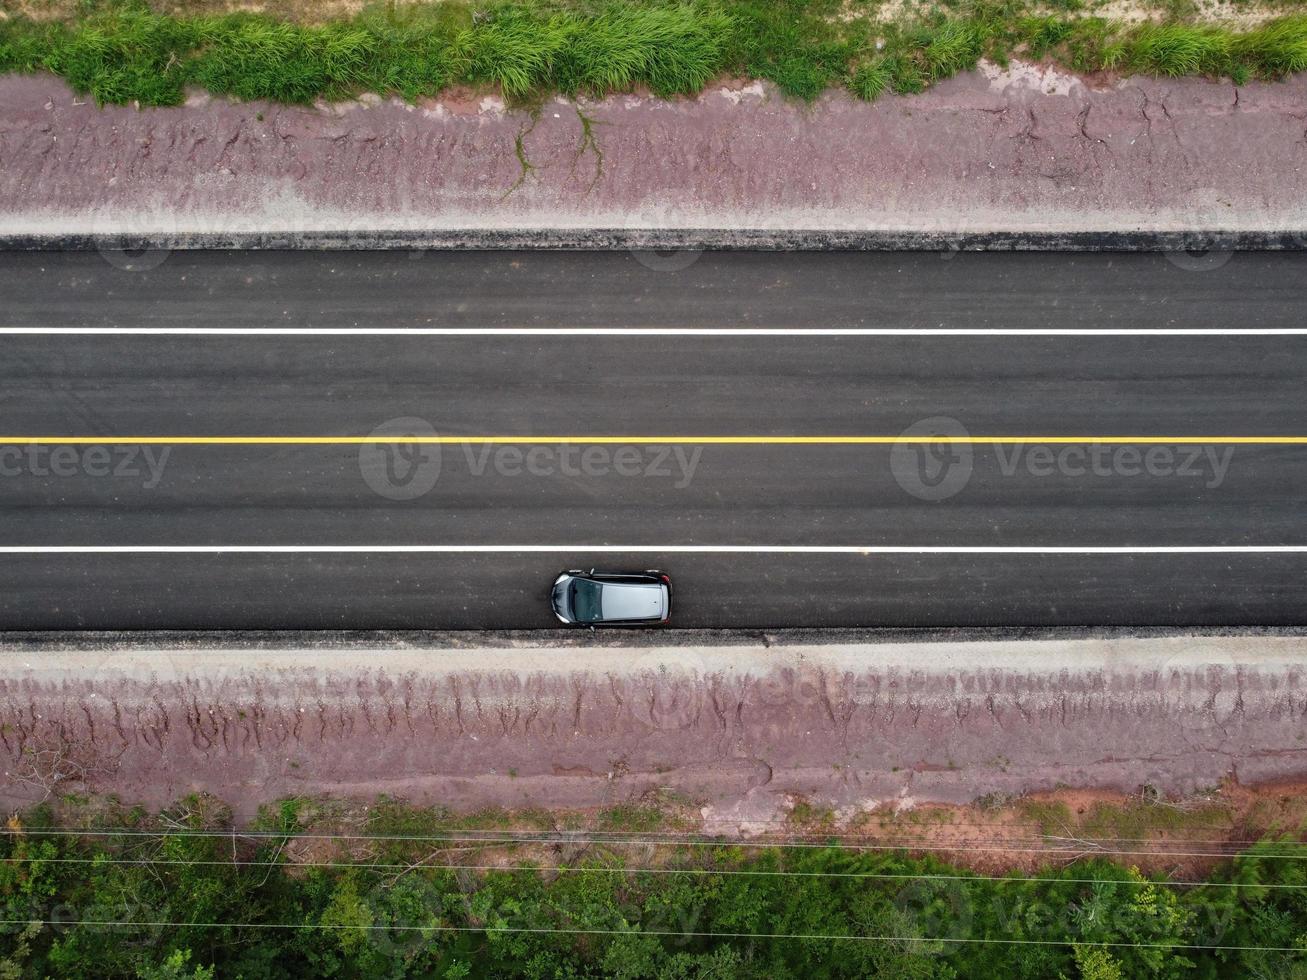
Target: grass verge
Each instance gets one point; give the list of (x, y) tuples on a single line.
[(318, 888), (120, 51)]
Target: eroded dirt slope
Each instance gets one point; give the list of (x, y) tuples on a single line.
[(1017, 150), (740, 730)]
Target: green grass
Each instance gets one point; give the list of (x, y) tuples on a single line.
[(1178, 49), (128, 54), (871, 79), (1142, 818), (950, 47), (631, 818), (1278, 49), (1134, 819), (121, 52)]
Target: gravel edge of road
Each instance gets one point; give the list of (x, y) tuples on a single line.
[(1198, 239), (571, 639)]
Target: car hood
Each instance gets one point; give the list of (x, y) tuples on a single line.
[(562, 605)]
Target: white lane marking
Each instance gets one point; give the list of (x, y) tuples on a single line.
[(657, 331), (709, 549)]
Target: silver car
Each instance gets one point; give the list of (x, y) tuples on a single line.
[(596, 598)]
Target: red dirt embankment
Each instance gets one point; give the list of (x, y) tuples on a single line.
[(1027, 149), (741, 731)]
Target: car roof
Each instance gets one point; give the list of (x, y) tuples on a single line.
[(632, 600)]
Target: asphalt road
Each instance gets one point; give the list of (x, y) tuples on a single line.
[(590, 440)]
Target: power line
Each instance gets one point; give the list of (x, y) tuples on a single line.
[(529, 930), (1063, 845), (574, 836), (575, 869), (819, 837), (1059, 846)]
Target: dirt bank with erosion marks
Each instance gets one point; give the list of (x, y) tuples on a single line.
[(741, 731), (1024, 149)]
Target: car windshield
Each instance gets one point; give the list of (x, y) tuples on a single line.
[(586, 607)]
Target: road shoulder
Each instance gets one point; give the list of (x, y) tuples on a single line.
[(742, 729)]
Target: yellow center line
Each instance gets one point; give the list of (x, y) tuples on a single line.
[(528, 440)]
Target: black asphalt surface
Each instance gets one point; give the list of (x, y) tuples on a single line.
[(619, 289), (577, 494)]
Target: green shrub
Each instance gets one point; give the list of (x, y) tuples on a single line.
[(871, 79), (1178, 49), (1279, 48), (1043, 33), (673, 49), (516, 51), (256, 58), (1093, 45), (792, 43), (125, 56), (384, 907), (951, 47), (25, 46), (906, 76), (412, 59)]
